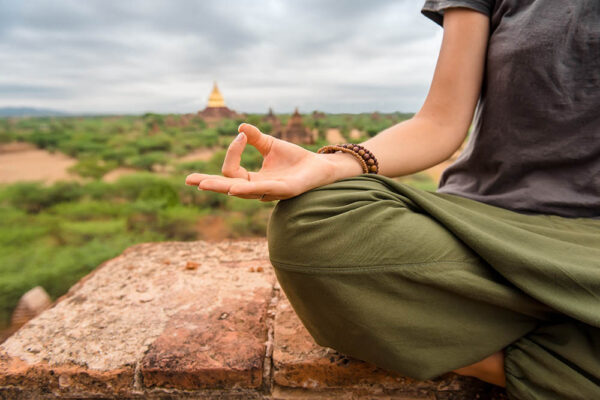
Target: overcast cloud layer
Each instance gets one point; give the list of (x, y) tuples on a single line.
[(137, 56)]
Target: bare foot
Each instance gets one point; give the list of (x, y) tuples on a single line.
[(490, 369)]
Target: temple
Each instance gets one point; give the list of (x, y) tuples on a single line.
[(295, 131), (272, 120), (216, 108)]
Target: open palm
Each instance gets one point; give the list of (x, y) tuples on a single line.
[(287, 170)]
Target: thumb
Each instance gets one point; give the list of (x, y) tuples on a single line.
[(257, 139)]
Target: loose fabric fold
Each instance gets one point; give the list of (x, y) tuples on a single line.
[(423, 283)]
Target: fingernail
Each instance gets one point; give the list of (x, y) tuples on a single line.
[(240, 137), (240, 126), (229, 194)]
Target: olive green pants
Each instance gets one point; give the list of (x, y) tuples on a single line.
[(423, 283)]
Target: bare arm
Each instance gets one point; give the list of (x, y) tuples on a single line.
[(427, 139), (441, 125)]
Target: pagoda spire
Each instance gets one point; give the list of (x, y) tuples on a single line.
[(216, 98)]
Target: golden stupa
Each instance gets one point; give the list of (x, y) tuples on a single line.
[(216, 98), (216, 109)]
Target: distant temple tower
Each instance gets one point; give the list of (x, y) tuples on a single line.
[(216, 109), (272, 119), (294, 131), (216, 98)]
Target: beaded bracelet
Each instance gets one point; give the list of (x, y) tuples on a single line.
[(366, 159)]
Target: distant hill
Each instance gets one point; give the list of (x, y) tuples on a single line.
[(29, 112)]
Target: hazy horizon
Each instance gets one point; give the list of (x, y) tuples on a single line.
[(156, 56)]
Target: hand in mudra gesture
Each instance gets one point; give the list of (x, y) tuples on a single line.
[(287, 169)]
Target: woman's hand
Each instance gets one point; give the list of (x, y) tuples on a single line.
[(287, 170)]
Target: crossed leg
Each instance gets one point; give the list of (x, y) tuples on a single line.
[(373, 274)]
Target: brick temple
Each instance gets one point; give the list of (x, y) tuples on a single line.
[(294, 131)]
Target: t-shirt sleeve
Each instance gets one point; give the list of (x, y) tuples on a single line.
[(434, 9)]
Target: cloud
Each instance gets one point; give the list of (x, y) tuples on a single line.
[(136, 56)]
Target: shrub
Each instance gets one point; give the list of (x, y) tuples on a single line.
[(155, 143), (151, 120), (81, 232), (160, 192), (92, 167), (207, 138), (90, 209), (6, 137), (190, 195), (147, 161), (99, 190), (243, 225), (14, 235), (130, 187), (247, 206), (64, 191), (191, 166), (251, 159), (228, 127), (118, 155), (33, 197), (265, 127), (179, 223), (80, 146), (44, 140)]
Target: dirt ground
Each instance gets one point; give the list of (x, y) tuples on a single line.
[(24, 162), (21, 162), (355, 134), (115, 174), (198, 155), (334, 136)]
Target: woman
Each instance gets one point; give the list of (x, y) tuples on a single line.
[(497, 274)]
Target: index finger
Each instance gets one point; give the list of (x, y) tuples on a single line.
[(231, 165), (195, 179)]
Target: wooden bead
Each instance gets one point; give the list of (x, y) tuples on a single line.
[(366, 159)]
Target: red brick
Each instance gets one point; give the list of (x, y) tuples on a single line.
[(222, 347), (64, 379)]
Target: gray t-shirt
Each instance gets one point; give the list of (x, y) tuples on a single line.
[(535, 144)]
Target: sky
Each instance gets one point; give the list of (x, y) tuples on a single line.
[(136, 56)]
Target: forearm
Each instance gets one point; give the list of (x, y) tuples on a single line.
[(405, 148), (414, 145)]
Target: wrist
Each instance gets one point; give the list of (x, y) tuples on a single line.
[(342, 165)]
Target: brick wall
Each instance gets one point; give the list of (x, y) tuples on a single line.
[(193, 320)]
